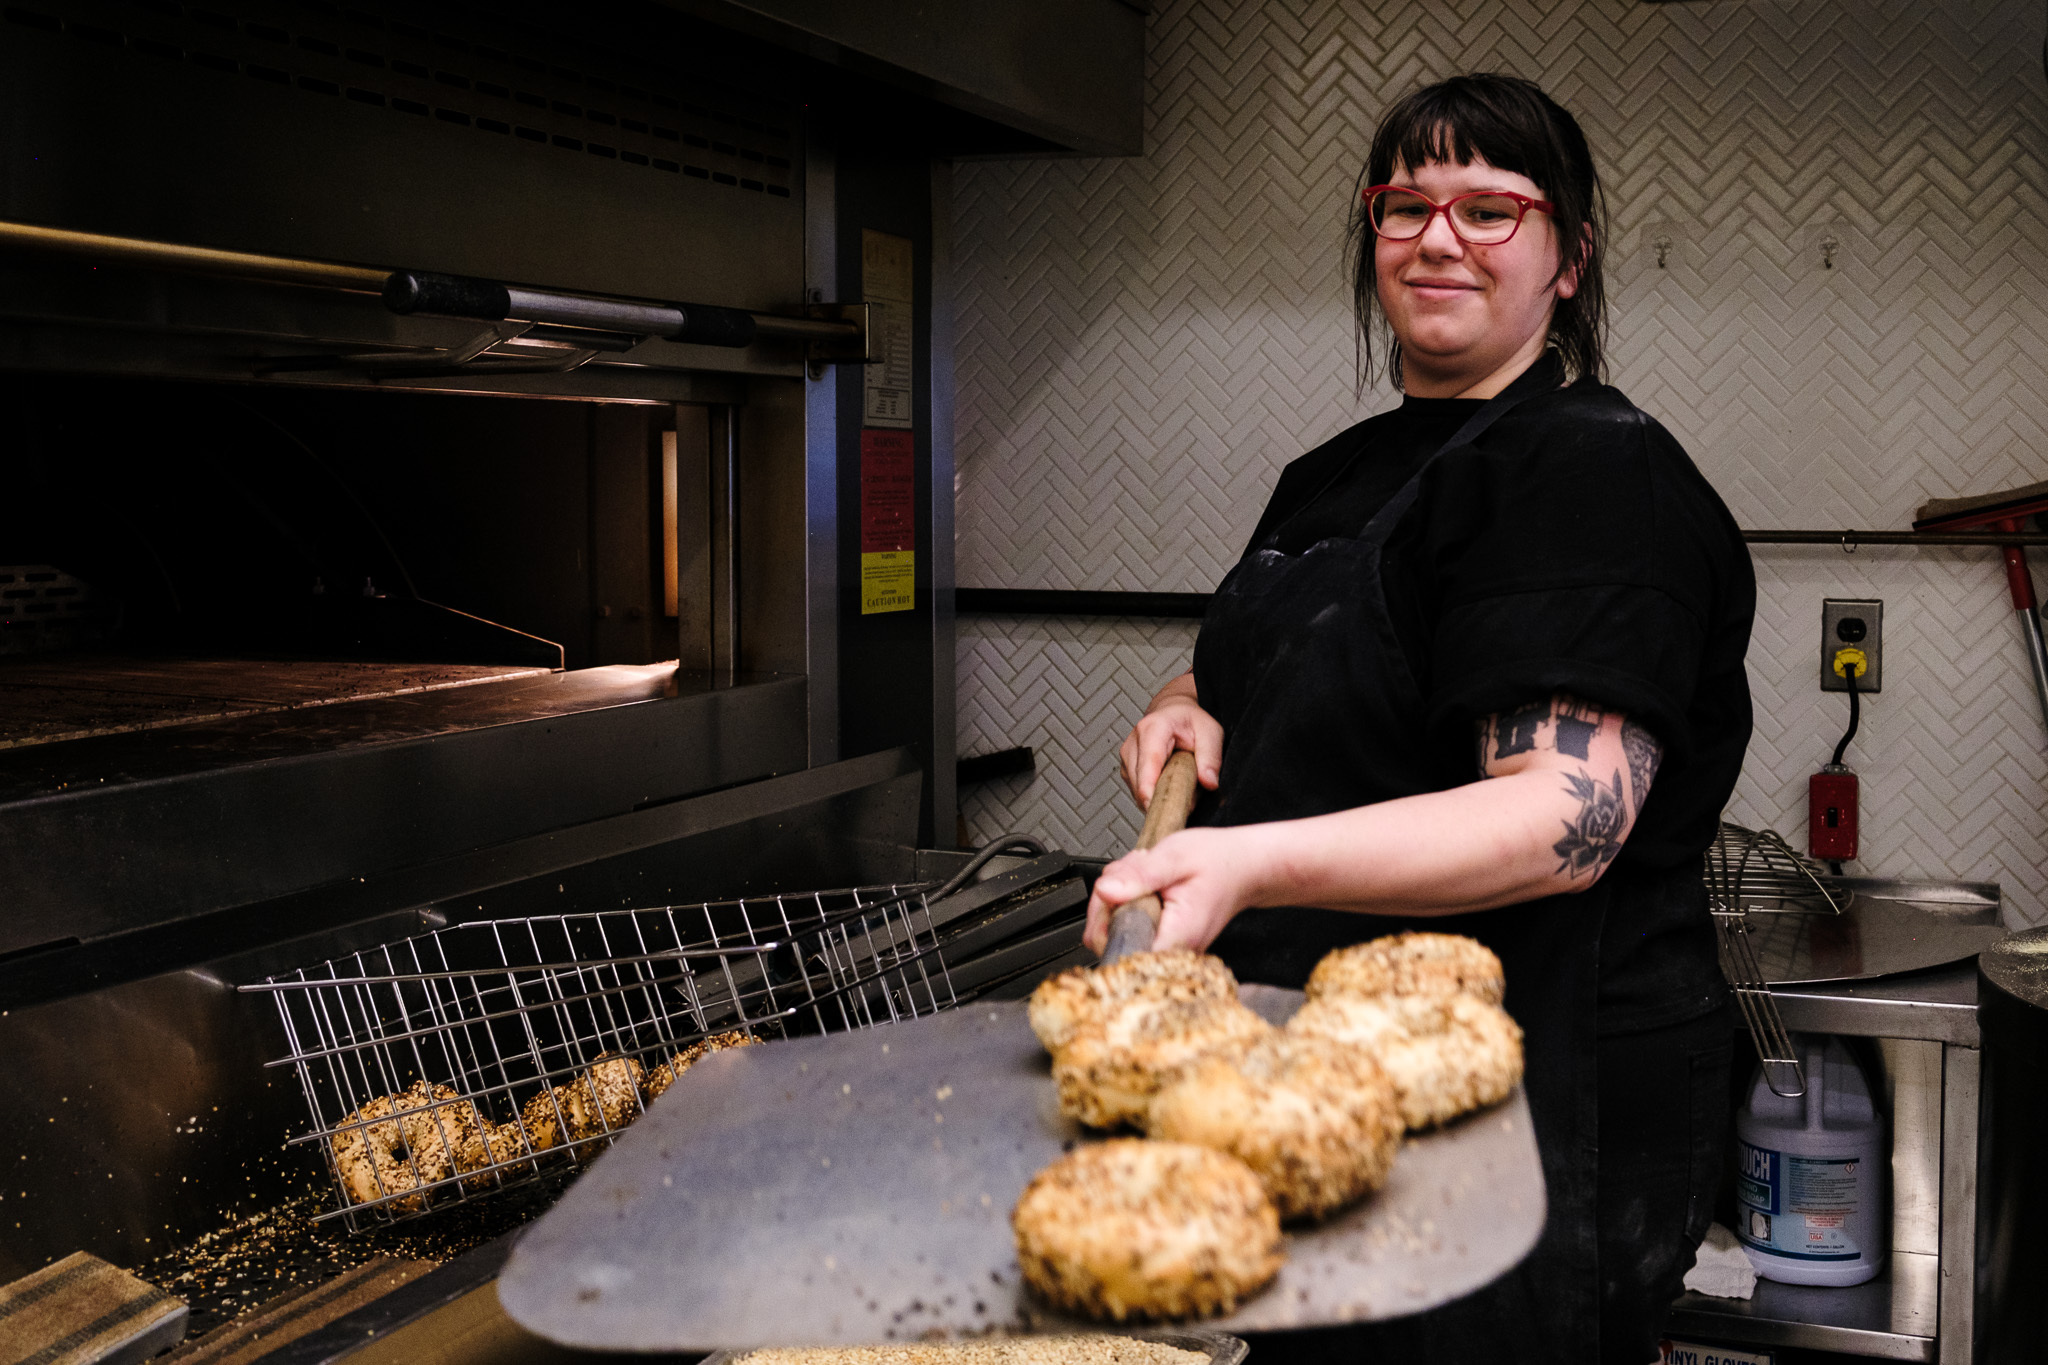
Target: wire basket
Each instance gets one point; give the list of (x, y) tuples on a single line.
[(470, 1059), (1756, 872)]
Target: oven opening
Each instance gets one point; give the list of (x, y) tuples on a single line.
[(173, 553)]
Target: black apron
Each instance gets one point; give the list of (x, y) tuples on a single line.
[(1321, 713)]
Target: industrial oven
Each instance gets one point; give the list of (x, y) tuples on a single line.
[(475, 465)]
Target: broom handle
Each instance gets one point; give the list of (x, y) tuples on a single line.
[(1133, 923), (2021, 581)]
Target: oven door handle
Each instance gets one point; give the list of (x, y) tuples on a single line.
[(458, 296), (833, 332)]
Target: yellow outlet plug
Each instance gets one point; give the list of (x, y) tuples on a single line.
[(1851, 637)]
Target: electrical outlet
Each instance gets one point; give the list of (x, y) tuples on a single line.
[(1852, 623)]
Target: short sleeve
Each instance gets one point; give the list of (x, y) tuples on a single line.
[(1577, 554), (1623, 646)]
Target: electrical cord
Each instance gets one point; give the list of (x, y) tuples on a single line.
[(1007, 843), (1849, 673)]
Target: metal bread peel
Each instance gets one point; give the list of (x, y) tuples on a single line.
[(856, 1188)]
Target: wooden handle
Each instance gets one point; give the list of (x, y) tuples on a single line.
[(1132, 924), (1173, 800)]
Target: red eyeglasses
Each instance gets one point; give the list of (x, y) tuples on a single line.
[(1483, 218)]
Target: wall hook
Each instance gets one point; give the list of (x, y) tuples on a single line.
[(1829, 245), (1663, 245)]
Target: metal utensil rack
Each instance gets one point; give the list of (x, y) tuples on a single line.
[(500, 1011), (1756, 872)]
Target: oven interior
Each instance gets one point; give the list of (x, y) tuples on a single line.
[(198, 521)]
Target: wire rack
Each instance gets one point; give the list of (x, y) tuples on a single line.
[(481, 1056), (1756, 872)]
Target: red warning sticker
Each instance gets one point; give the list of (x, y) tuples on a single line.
[(888, 492), (888, 521)]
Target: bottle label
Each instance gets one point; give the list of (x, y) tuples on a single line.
[(1798, 1206)]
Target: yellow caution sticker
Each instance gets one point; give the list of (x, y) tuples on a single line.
[(887, 581)]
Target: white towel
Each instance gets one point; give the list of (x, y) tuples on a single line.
[(1721, 1270)]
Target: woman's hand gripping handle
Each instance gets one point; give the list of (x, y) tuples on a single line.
[(1132, 924), (1175, 720)]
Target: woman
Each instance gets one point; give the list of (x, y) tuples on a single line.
[(1480, 670)]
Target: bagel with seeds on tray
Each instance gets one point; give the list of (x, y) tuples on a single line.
[(1063, 1005), (1411, 964), (1109, 1070), (1131, 1228), (492, 1145), (1317, 1121), (603, 1099), (1446, 1056)]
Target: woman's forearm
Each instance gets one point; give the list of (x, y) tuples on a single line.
[(1562, 783), (1181, 688), (1475, 847)]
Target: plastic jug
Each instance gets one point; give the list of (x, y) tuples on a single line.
[(1811, 1173)]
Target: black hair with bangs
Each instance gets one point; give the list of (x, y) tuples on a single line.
[(1509, 123)]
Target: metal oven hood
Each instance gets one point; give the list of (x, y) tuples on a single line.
[(627, 156), (1065, 72), (647, 153)]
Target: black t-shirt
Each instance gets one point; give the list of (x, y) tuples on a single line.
[(1573, 548)]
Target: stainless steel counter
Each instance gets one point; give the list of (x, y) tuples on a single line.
[(1890, 1318), (1938, 1005)]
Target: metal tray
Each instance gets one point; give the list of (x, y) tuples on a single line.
[(1220, 1347), (1886, 927), (857, 1188)]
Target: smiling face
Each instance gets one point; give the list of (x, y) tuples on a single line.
[(1469, 318)]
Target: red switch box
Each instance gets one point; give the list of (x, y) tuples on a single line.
[(1831, 815)]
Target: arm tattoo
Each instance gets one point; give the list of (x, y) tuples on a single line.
[(1645, 756), (1567, 725), (1515, 732), (1572, 726), (1593, 836), (1576, 722)]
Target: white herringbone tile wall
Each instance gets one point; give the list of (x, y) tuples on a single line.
[(1064, 687), (1144, 342)]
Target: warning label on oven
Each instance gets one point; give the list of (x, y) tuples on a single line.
[(888, 581), (885, 282), (888, 521)]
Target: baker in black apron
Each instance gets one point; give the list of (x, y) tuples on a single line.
[(1480, 670)]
